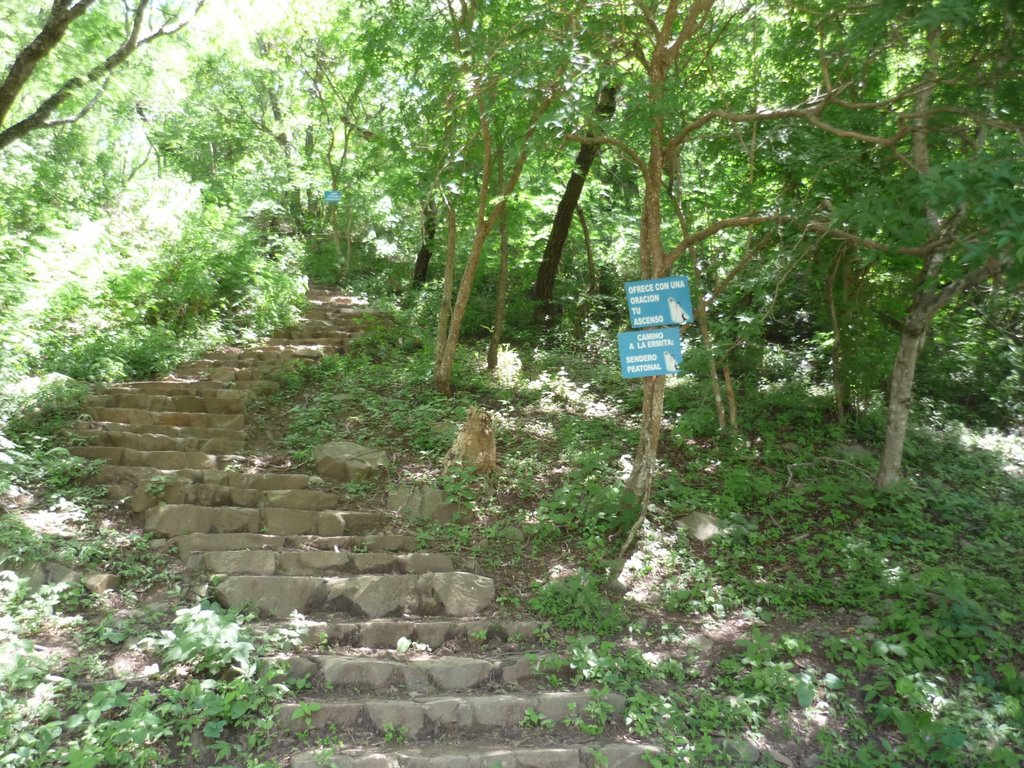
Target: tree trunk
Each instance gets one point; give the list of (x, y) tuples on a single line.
[(591, 271), (838, 379), (499, 310), (730, 395), (544, 286), (716, 389), (445, 310), (419, 273), (900, 393)]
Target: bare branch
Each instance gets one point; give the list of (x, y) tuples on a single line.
[(691, 240)]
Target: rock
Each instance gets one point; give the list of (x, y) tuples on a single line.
[(56, 573), (700, 526), (463, 594), (424, 501), (741, 750), (779, 758), (101, 582), (347, 461), (278, 596)]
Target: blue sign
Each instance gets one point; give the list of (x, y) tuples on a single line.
[(657, 352), (663, 301), (332, 196)]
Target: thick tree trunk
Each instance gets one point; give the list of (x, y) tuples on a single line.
[(544, 285), (419, 273)]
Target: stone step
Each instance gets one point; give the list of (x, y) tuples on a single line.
[(191, 544), (238, 375), (434, 716), (129, 457), (179, 387), (269, 353), (315, 562), (489, 755), (222, 495), (157, 402), (262, 481), (426, 675), (143, 441), (176, 519), (370, 596), (202, 433), (385, 634), (143, 417), (315, 333)]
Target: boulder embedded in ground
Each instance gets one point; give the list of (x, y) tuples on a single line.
[(347, 461), (101, 582), (424, 501), (700, 526)]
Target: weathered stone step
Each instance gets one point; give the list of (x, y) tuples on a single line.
[(201, 433), (223, 495), (310, 333), (315, 562), (492, 755), (432, 716), (263, 481), (176, 519), (179, 387), (238, 375), (179, 403), (269, 353), (429, 675), (143, 417), (143, 441), (372, 596), (433, 633), (129, 457), (195, 543)]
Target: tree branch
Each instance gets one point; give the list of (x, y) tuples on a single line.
[(40, 117)]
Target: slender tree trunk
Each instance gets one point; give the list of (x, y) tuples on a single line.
[(419, 273), (838, 380), (730, 395), (445, 311), (901, 388), (716, 389), (591, 271), (499, 311)]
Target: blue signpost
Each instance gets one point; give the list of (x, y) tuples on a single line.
[(332, 196), (663, 301), (654, 352)]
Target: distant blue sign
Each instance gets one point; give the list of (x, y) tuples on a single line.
[(663, 301), (332, 196), (657, 352)]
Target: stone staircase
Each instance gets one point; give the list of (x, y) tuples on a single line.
[(405, 663)]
